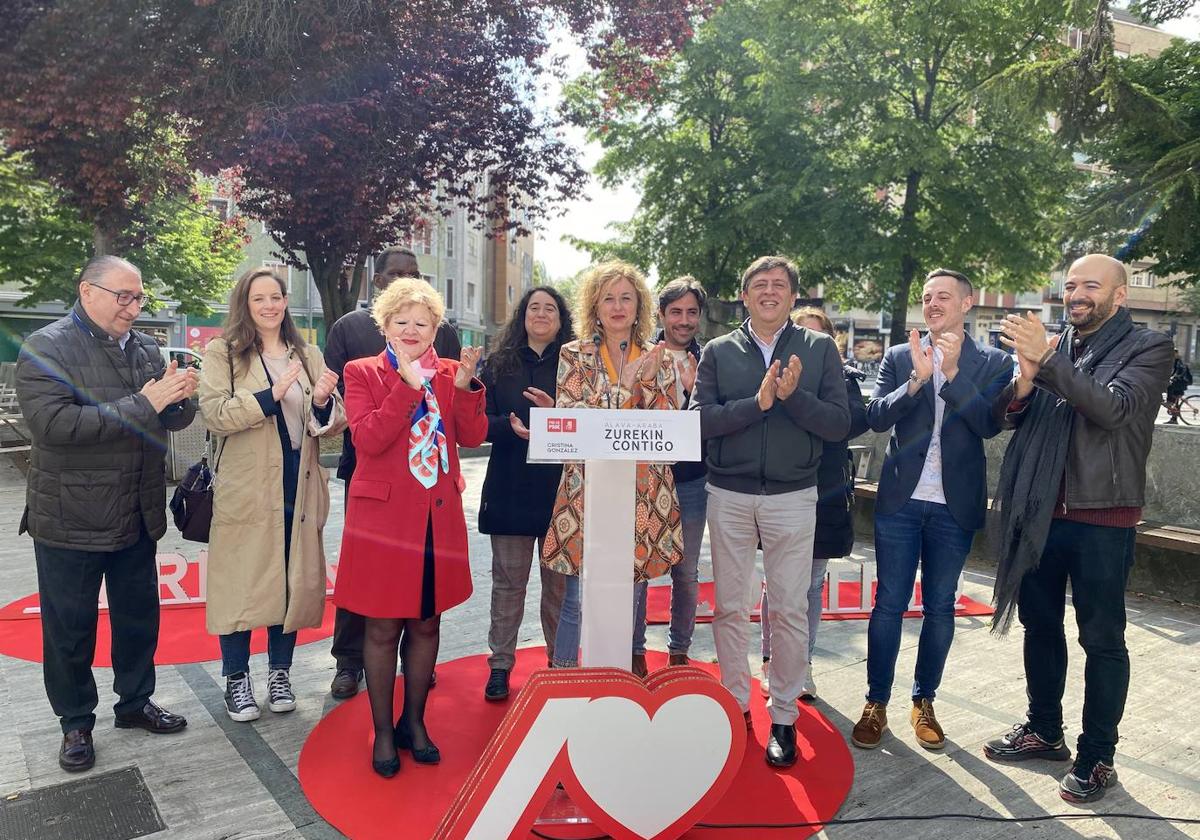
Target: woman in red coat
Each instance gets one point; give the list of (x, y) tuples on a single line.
[(404, 548)]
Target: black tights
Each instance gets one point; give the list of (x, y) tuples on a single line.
[(420, 650)]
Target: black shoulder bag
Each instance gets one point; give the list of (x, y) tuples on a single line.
[(192, 502)]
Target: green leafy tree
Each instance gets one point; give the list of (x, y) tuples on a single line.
[(184, 250), (864, 139)]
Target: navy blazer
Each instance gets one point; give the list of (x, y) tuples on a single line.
[(982, 374)]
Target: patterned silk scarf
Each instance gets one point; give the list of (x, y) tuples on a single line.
[(427, 447)]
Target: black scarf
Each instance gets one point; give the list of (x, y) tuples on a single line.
[(1032, 472)]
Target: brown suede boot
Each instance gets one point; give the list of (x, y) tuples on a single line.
[(924, 723), (868, 732)]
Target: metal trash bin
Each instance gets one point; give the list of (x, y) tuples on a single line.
[(185, 448)]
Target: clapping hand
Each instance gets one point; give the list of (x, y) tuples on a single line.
[(951, 346), (769, 387), (788, 379), (538, 397), (685, 369), (171, 388), (404, 366), (466, 370), (922, 361), (324, 388), (287, 380)]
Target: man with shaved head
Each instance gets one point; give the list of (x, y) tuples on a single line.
[(1070, 495), (99, 403)]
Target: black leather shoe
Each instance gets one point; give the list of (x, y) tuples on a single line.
[(345, 683), (153, 718), (422, 755), (387, 768), (76, 752), (497, 685), (781, 746)]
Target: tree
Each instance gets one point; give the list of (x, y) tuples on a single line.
[(1146, 203), (863, 139), (185, 252)]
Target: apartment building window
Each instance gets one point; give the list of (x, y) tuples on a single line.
[(512, 248), (449, 292), (430, 279), (526, 271), (510, 296), (422, 242), (219, 207), (472, 245), (1142, 279), (284, 271), (449, 240), (472, 301)]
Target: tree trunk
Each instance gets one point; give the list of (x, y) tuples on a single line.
[(101, 241), (908, 262), (327, 277)]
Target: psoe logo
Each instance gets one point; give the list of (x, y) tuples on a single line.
[(561, 424)]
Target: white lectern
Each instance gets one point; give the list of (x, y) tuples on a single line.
[(610, 443)]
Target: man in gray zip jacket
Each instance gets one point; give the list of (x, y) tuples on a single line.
[(769, 394)]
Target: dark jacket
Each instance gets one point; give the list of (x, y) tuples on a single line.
[(689, 470), (1181, 378), (517, 497), (835, 480), (775, 451), (355, 336), (97, 473), (967, 421), (1113, 426)]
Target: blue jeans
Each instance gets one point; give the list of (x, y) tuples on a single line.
[(235, 650), (1097, 561), (921, 533), (693, 507), (566, 640), (816, 589)]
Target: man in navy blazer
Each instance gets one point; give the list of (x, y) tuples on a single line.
[(935, 394)]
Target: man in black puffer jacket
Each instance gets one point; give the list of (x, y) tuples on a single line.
[(99, 403)]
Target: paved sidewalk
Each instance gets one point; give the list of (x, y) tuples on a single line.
[(221, 779)]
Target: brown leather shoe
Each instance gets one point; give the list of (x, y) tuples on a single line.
[(345, 684), (868, 732), (678, 659), (76, 752), (925, 725), (639, 666)]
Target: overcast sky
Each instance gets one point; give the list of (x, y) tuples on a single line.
[(587, 216)]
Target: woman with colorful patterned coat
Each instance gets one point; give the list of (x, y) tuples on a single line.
[(615, 367)]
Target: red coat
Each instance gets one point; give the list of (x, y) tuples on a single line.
[(383, 543)]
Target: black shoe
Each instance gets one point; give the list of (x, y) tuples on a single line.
[(153, 718), (1021, 743), (345, 683), (781, 746), (421, 755), (387, 768), (497, 685), (77, 752)]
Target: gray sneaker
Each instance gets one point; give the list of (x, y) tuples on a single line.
[(240, 704), (1021, 743), (280, 697), (1086, 783)]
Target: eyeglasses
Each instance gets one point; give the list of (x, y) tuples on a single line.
[(125, 298)]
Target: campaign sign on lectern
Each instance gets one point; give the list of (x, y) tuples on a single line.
[(610, 442)]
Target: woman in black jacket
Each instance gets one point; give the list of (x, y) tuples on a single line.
[(517, 497), (835, 495)]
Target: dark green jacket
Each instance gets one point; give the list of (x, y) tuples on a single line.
[(97, 472), (776, 451)]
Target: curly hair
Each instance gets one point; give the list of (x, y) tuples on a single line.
[(512, 336), (401, 293), (596, 282)]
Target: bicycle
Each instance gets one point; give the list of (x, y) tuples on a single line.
[(1183, 409)]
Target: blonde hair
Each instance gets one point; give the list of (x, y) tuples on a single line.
[(403, 292), (804, 313), (596, 282)]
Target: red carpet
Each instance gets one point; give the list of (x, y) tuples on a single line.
[(181, 636), (335, 769), (658, 604)]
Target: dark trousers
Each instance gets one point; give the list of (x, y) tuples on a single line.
[(1097, 561), (348, 628), (69, 591)]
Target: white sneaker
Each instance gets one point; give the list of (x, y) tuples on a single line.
[(764, 682), (809, 692), (240, 704), (279, 691)]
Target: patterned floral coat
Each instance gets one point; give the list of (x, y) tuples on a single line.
[(658, 535)]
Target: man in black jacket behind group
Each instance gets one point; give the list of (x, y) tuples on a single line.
[(356, 336), (99, 403)]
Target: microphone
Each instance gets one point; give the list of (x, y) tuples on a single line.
[(620, 371)]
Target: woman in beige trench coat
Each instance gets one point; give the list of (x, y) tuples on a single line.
[(265, 407)]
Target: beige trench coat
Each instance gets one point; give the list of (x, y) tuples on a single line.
[(246, 582)]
